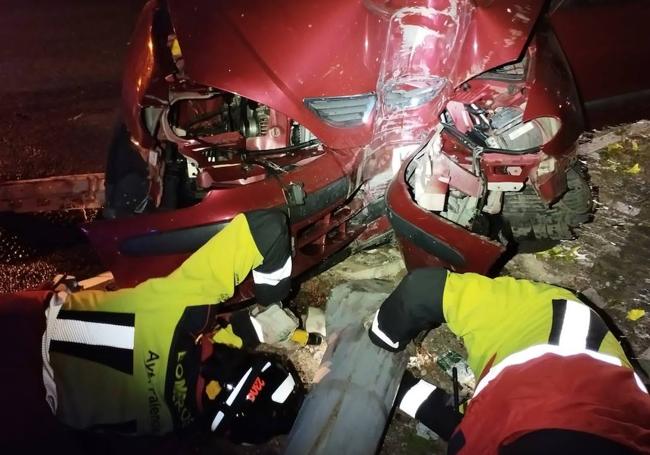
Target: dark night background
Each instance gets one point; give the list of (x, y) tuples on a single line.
[(60, 79)]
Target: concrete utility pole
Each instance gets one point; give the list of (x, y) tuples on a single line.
[(347, 409)]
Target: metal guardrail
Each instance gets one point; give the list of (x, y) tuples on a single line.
[(68, 192)]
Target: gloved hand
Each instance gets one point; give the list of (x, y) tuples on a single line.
[(271, 325), (379, 337), (65, 283)]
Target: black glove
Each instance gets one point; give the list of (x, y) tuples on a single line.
[(414, 306)]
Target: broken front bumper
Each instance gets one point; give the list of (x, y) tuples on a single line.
[(427, 239)]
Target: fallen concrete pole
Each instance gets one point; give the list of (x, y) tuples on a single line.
[(347, 409)]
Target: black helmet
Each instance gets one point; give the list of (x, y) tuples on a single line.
[(248, 397)]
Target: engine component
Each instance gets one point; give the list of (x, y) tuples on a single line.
[(494, 202), (503, 128), (461, 209), (430, 178), (300, 134), (530, 218), (510, 132), (257, 120), (221, 113), (505, 118)]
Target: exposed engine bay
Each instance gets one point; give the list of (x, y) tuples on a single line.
[(215, 139), (259, 127), (208, 138)]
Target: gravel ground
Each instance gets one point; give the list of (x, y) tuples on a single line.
[(34, 248)]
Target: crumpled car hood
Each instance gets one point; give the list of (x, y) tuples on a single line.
[(279, 53)]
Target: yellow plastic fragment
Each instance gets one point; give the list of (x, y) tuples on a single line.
[(634, 169), (300, 336), (563, 252), (213, 389), (635, 314), (635, 146), (176, 49)]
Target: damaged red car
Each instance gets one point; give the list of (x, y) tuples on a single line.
[(453, 121)]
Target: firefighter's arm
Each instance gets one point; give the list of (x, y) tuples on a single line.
[(429, 404), (272, 277), (256, 241), (477, 305), (415, 305)]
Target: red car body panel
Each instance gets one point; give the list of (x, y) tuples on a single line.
[(606, 43), (497, 34), (472, 252), (279, 54), (551, 70), (137, 75), (226, 45), (429, 240)]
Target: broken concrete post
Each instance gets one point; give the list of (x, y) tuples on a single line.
[(348, 406)]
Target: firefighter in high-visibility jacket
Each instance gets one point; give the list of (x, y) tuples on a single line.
[(551, 377), (132, 360)]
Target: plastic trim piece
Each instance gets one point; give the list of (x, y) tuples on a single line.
[(426, 241), (171, 242), (188, 240), (343, 111)]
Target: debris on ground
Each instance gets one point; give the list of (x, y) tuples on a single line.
[(381, 262), (453, 363), (564, 252), (635, 314), (424, 432), (594, 297)]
